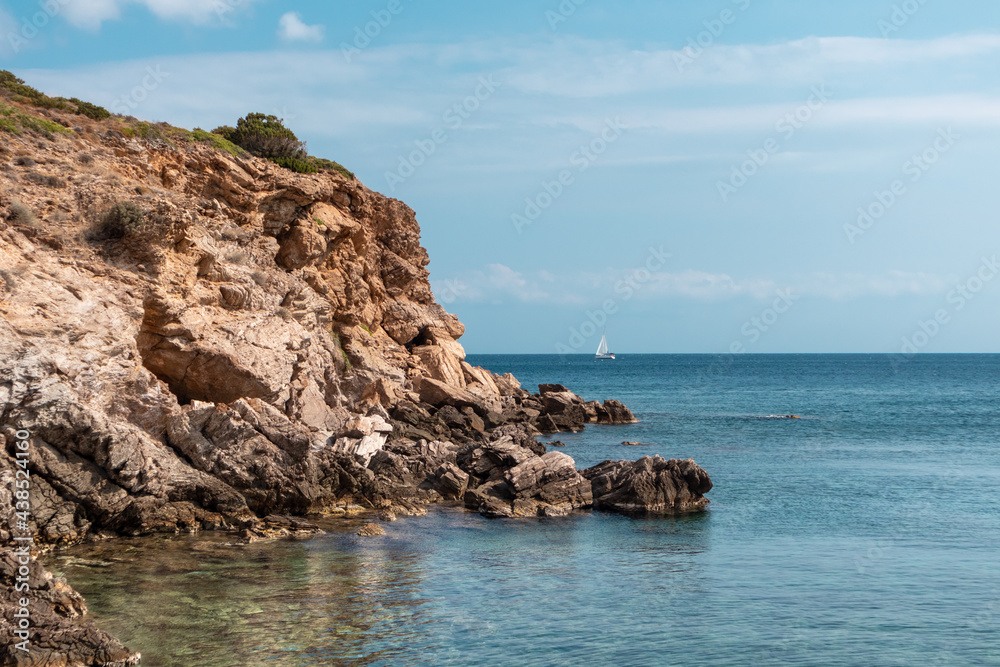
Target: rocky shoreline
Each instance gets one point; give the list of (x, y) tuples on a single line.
[(258, 347)]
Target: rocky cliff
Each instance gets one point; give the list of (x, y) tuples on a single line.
[(197, 339)]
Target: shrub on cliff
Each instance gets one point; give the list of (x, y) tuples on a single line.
[(217, 140), (329, 165), (266, 136), (13, 121), (123, 218), (21, 215), (19, 91), (225, 131), (90, 110), (296, 165)]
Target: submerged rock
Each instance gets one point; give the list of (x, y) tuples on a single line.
[(59, 633), (371, 530)]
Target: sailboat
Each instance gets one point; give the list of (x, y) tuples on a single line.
[(602, 349)]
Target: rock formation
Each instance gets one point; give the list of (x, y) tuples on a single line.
[(651, 485), (58, 634), (260, 345)]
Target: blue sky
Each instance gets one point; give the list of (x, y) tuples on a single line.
[(692, 173)]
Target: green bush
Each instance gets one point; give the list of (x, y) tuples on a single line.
[(217, 140), (123, 218), (21, 92), (13, 121), (295, 164), (266, 136), (225, 131), (329, 165), (343, 352), (90, 110)]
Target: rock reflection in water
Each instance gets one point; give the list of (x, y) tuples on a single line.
[(447, 588)]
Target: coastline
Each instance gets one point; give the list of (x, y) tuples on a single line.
[(262, 346)]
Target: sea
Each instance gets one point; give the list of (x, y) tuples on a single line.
[(865, 532)]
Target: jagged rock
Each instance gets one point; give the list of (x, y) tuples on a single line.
[(546, 424), (452, 481), (651, 485), (371, 530), (508, 386), (436, 393), (363, 437), (442, 365), (614, 412), (270, 346), (512, 481), (59, 635)]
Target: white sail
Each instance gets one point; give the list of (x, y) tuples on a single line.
[(602, 349)]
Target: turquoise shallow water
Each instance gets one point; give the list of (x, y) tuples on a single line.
[(865, 533)]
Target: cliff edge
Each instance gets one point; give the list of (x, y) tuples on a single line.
[(195, 338)]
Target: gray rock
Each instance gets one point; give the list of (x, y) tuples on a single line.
[(651, 485)]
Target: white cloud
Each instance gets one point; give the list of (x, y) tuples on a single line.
[(90, 14), (8, 25), (574, 67), (498, 284), (294, 29)]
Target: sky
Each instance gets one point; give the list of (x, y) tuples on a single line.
[(719, 176)]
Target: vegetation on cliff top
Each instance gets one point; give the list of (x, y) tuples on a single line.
[(15, 89), (259, 134), (266, 136)]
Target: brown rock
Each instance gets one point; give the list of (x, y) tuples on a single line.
[(452, 481), (59, 635), (436, 393), (614, 412), (371, 530), (300, 247)]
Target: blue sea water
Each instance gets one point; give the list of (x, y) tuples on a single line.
[(867, 532)]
